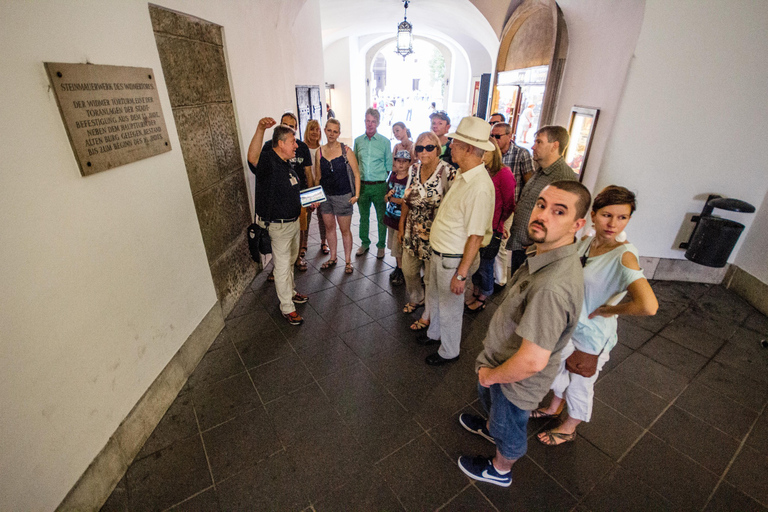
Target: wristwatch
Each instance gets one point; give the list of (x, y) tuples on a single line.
[(460, 277)]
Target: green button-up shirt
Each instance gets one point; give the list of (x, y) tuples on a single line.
[(374, 156)]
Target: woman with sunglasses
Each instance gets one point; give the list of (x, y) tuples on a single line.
[(504, 184), (611, 270), (428, 181)]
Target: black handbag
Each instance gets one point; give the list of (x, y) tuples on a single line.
[(492, 249), (258, 241)]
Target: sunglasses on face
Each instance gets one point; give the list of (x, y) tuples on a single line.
[(429, 148), (497, 136)]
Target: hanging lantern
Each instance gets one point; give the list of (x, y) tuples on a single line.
[(404, 35)]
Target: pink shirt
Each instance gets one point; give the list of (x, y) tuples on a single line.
[(504, 183)]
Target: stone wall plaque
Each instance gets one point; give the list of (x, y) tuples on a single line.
[(112, 113)]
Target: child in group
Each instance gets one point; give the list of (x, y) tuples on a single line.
[(396, 183)]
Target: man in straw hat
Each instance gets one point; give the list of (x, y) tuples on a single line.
[(461, 227)]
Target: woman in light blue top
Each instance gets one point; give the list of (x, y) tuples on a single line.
[(611, 270)]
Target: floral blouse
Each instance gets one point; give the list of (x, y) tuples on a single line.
[(423, 200)]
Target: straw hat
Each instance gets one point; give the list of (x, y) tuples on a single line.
[(475, 132)]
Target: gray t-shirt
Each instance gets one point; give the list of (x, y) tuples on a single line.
[(543, 306)]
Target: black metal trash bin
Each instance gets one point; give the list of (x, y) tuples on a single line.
[(714, 238)]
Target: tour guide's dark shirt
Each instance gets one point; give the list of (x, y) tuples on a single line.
[(302, 159), (277, 188)]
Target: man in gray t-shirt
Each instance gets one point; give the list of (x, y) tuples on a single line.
[(521, 353)]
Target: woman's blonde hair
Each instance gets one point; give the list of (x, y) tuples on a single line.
[(335, 121), (311, 124), (492, 159)]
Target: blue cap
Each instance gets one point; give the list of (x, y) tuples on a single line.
[(403, 154)]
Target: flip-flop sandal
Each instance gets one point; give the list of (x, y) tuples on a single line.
[(539, 414), (553, 437), (328, 264), (303, 252), (301, 264), (348, 268), (325, 249), (411, 307), (419, 325), (477, 309)]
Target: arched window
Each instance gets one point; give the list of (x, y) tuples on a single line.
[(529, 67)]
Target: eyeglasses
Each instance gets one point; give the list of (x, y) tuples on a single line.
[(428, 147), (498, 136)]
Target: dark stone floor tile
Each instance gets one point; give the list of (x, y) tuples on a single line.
[(240, 443), (262, 348), (214, 367), (618, 354), (118, 500), (725, 380), (328, 300), (398, 324), (379, 305), (382, 280), (757, 322), (337, 276), (434, 406), (531, 490), (725, 304), (254, 324), (703, 321), (422, 476), (749, 473), (673, 356), (222, 340), (369, 264), (246, 304), (609, 430), (327, 356), (366, 491), (313, 329), (360, 289), (224, 400), (666, 313), (728, 499), (704, 444), (168, 476), (746, 355), (652, 376), (620, 490), (326, 458), (310, 282), (370, 340), (679, 291), (716, 409), (280, 377), (347, 317), (469, 499), (677, 478), (632, 335), (576, 466), (696, 340), (206, 501), (628, 398), (273, 484), (758, 438), (300, 411), (177, 423)]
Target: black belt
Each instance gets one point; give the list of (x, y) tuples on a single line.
[(443, 255), (284, 221), (371, 182)]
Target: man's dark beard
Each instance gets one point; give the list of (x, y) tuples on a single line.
[(534, 236)]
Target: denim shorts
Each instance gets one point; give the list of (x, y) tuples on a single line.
[(337, 205), (508, 423)]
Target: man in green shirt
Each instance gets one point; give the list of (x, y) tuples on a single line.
[(374, 156)]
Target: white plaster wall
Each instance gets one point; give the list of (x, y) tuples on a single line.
[(104, 277), (692, 119), (337, 69), (602, 35), (753, 255)]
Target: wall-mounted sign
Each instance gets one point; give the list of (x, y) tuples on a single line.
[(112, 113), (581, 129)]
